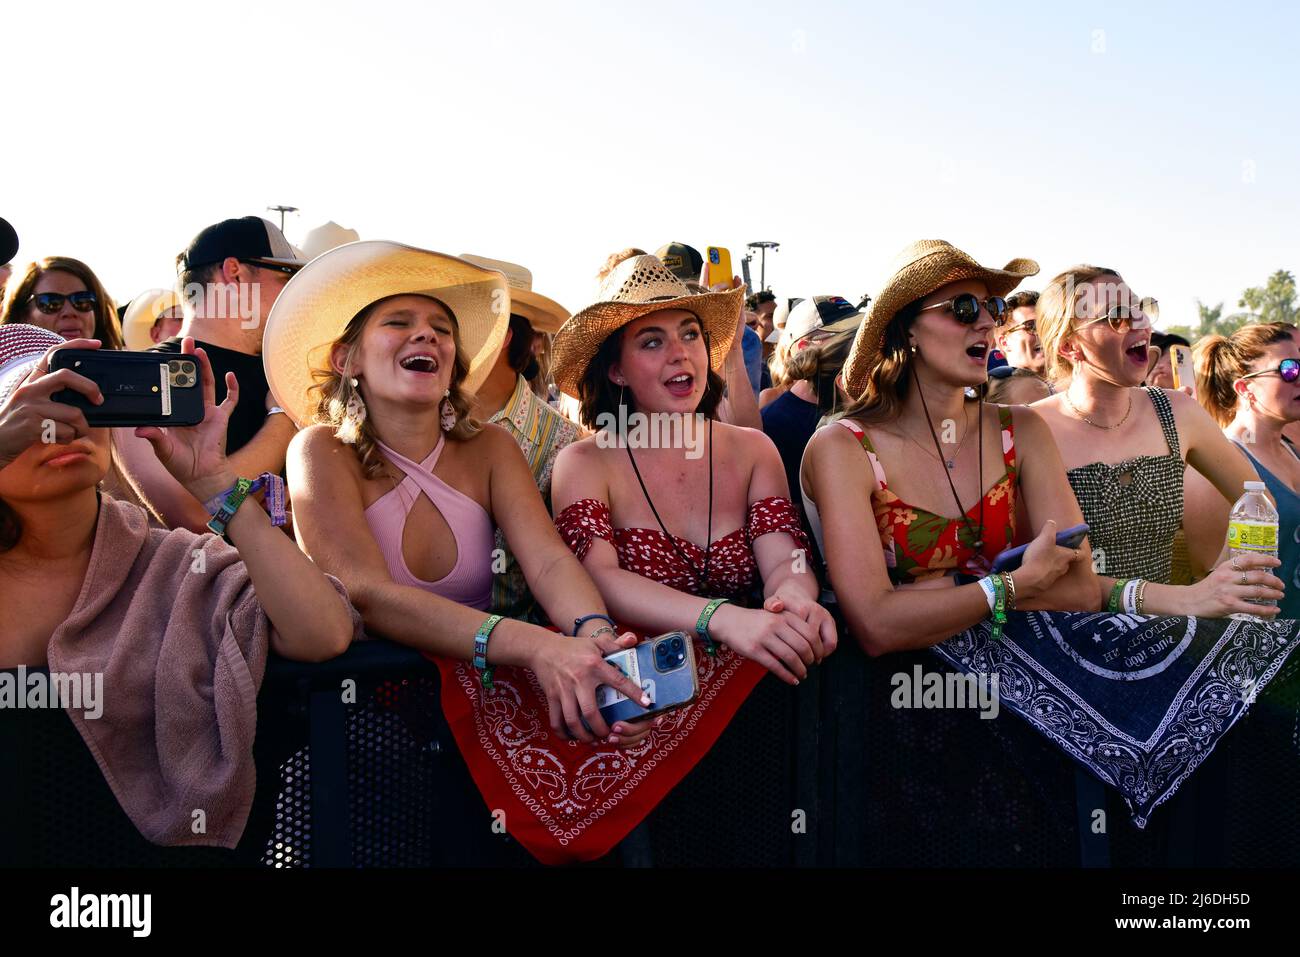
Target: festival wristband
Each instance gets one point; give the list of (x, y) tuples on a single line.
[(480, 650), (229, 506), (1116, 596), (1130, 593), (990, 595), (274, 486), (275, 410), (702, 624), (999, 607)]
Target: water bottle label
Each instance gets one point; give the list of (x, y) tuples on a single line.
[(1253, 536)]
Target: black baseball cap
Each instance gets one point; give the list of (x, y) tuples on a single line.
[(8, 242), (250, 237), (683, 261)]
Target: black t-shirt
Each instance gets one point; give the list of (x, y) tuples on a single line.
[(250, 413), (790, 422)]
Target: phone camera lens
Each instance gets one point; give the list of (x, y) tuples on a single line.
[(173, 366), (187, 368)]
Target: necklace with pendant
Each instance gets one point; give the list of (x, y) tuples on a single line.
[(977, 560), (952, 462)]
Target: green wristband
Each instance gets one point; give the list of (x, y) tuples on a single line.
[(702, 624), (480, 650), (230, 506), (1113, 604), (999, 606)]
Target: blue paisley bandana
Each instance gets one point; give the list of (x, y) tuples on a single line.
[(1139, 701)]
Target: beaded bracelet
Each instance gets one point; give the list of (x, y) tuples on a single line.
[(480, 650), (702, 624)]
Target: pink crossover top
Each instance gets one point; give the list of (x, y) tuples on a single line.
[(470, 580)]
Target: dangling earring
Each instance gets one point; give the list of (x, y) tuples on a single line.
[(620, 395), (448, 412), (354, 414), (914, 349)]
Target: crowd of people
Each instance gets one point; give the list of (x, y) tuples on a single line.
[(405, 444)]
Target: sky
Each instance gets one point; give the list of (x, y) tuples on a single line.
[(1159, 139)]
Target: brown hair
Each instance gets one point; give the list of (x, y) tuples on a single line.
[(1057, 310), (333, 391), (1221, 360), (19, 290), (888, 379), (597, 394)]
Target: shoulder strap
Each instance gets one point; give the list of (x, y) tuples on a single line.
[(1007, 423), (1165, 413), (862, 437)]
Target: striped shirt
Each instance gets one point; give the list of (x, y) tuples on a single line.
[(540, 432)]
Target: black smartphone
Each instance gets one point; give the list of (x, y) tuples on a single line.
[(1010, 559), (663, 667), (140, 388)]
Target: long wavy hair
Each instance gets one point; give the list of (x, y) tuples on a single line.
[(334, 391), (19, 290)]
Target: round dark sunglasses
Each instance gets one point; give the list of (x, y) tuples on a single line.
[(966, 308), (1138, 315), (1288, 370), (51, 302)]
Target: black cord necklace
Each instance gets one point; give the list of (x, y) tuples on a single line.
[(977, 535), (701, 576)]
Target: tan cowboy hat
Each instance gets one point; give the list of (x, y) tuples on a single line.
[(919, 270), (637, 287), (317, 304), (326, 237), (543, 314), (142, 312)]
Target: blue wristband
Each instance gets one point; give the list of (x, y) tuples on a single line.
[(480, 650)]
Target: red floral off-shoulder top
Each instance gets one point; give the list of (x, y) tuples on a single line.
[(648, 552)]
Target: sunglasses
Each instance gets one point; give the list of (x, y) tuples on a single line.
[(274, 267), (1288, 369), (966, 308), (51, 302), (1029, 325), (1140, 316)]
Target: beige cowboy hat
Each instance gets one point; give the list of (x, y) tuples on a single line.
[(317, 304), (543, 314), (637, 287), (326, 237), (919, 270), (142, 312)]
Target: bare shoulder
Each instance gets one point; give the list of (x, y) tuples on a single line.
[(1027, 419), (832, 440), (741, 440), (585, 450), (1183, 404), (318, 446)]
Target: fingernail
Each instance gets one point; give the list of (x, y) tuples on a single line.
[(613, 739), (645, 701)]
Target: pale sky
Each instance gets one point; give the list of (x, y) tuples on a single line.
[(1161, 141)]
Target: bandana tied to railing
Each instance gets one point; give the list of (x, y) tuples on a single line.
[(566, 801), (1139, 701)]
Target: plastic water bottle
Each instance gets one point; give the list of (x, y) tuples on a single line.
[(1252, 529)]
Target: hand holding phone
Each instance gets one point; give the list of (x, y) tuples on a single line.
[(138, 388), (1009, 559), (664, 667), (31, 405)]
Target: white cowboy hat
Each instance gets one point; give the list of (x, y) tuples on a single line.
[(326, 237), (142, 312), (316, 305), (543, 314)]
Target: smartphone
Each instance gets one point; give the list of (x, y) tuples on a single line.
[(140, 388), (663, 667), (1180, 364), (1010, 559), (719, 260)]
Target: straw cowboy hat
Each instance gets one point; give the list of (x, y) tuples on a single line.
[(637, 287), (317, 304), (142, 312), (919, 270), (543, 314), (326, 237)]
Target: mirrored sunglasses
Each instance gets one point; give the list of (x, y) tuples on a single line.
[(1288, 370), (966, 308), (51, 302)]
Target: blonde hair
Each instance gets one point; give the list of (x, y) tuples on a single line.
[(334, 392), (1057, 309), (1221, 360)]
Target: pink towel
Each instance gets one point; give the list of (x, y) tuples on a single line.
[(171, 620)]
